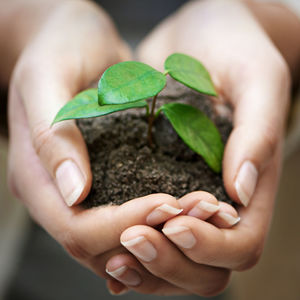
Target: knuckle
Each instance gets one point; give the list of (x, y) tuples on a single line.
[(252, 258), (199, 258), (270, 138), (169, 272), (278, 69), (28, 67), (252, 253), (74, 246), (41, 137), (153, 287), (165, 197), (12, 184), (281, 68), (162, 198), (205, 256), (217, 285), (12, 176), (203, 195), (275, 67)]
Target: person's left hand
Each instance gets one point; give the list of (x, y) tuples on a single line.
[(194, 254)]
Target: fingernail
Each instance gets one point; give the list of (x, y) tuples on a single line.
[(246, 182), (141, 248), (162, 213), (123, 291), (70, 181), (181, 236), (126, 275), (231, 220), (203, 210)]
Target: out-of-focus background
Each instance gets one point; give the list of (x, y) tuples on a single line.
[(34, 267)]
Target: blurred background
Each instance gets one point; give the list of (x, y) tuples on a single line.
[(34, 267)]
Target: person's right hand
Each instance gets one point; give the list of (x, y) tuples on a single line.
[(253, 78)]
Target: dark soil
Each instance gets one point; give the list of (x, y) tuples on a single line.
[(125, 167)]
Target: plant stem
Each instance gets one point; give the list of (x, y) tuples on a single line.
[(150, 122)]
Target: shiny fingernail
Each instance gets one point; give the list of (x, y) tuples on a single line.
[(70, 181), (141, 248), (231, 220), (181, 236), (203, 210), (126, 276), (162, 213), (246, 182)]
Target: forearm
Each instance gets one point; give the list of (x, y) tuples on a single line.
[(283, 27)]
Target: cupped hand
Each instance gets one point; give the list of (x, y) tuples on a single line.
[(252, 77), (49, 166), (249, 73), (74, 45), (91, 236)]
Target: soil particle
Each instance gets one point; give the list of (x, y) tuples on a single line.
[(125, 167)]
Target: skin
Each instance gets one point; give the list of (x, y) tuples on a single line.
[(39, 87), (251, 74)]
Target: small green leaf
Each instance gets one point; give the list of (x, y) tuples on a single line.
[(129, 81), (85, 105), (190, 72), (197, 131)]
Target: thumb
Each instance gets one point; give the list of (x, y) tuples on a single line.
[(260, 108), (61, 148)]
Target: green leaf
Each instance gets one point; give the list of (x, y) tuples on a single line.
[(85, 105), (197, 131), (129, 81), (190, 72)]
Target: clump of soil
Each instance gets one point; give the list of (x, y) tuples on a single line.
[(125, 167)]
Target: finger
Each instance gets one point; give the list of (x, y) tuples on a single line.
[(150, 247), (225, 217), (122, 266), (203, 205), (237, 248), (260, 107), (61, 148), (199, 204), (27, 179), (153, 209), (127, 270), (119, 264), (50, 72), (115, 287)]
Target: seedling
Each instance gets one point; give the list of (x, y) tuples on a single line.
[(128, 84)]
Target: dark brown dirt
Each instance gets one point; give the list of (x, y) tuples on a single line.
[(124, 167)]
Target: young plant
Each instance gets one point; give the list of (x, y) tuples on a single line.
[(127, 84)]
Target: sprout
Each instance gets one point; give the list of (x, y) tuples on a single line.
[(129, 84)]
